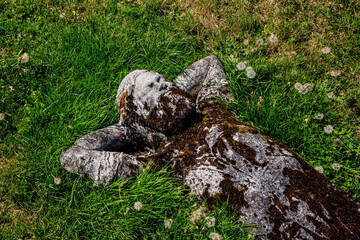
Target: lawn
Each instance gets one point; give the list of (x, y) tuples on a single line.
[(61, 63)]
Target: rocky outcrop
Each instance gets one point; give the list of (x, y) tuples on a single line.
[(184, 124)]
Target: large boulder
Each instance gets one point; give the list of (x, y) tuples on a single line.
[(216, 155)]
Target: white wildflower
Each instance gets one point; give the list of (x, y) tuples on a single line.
[(210, 222), (260, 41), (328, 129), (338, 143), (319, 116), (2, 116), (325, 50), (168, 223), (138, 206), (273, 38), (241, 65), (335, 73), (320, 169), (24, 58), (336, 166), (215, 236)]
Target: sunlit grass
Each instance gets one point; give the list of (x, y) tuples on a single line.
[(61, 64)]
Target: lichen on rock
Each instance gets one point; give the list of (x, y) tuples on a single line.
[(183, 124)]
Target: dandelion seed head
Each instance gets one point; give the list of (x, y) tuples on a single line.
[(331, 95), (298, 86), (24, 58), (260, 41), (198, 215), (168, 223), (249, 69), (336, 166), (2, 116), (215, 236), (320, 169), (319, 116), (338, 143), (251, 74), (246, 42), (138, 206), (303, 89), (273, 38), (57, 180), (241, 65), (328, 129), (335, 73), (210, 222), (326, 50)]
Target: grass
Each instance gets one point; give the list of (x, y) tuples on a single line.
[(78, 54)]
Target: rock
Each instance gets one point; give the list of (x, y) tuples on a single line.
[(147, 100), (102, 155), (216, 155)]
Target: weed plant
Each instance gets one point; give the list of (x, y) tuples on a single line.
[(60, 66)]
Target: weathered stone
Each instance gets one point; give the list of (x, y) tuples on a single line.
[(146, 99), (102, 155), (216, 155)]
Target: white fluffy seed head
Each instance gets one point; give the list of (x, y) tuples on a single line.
[(319, 116), (328, 129), (326, 50), (338, 143), (260, 41), (168, 223), (320, 169), (251, 74), (210, 222), (335, 73), (215, 236), (273, 38), (241, 65), (138, 206), (336, 166), (24, 58)]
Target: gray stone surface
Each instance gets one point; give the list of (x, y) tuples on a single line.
[(215, 154)]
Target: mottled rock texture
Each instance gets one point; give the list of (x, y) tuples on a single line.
[(185, 125)]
